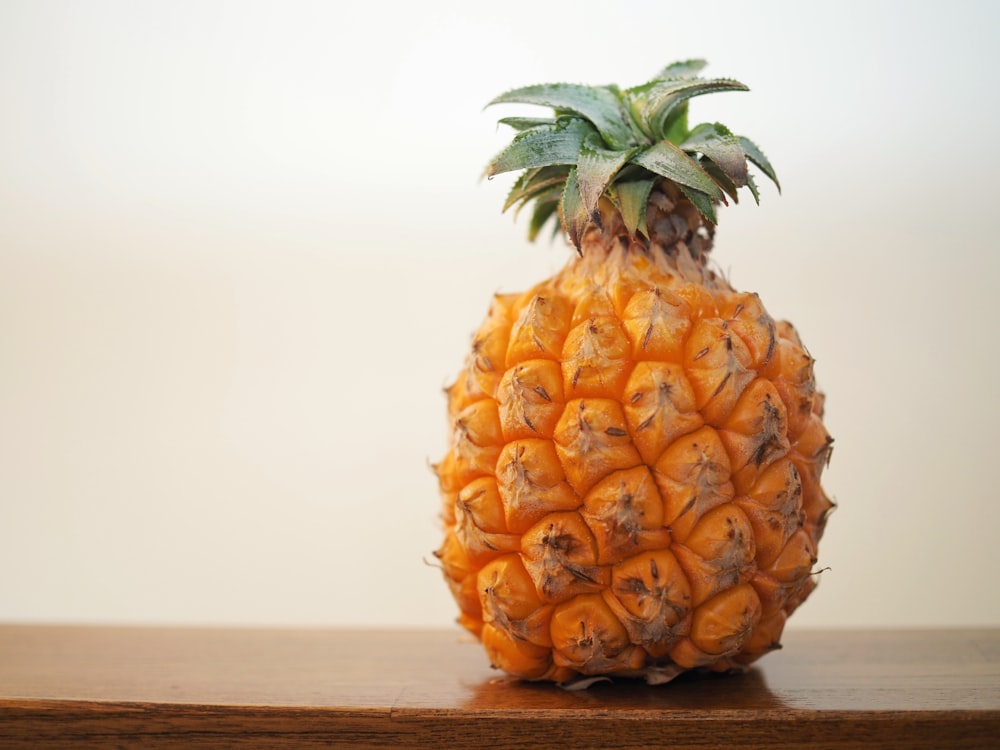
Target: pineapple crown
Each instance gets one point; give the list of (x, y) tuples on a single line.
[(604, 141)]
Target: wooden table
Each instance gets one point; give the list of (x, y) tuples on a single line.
[(75, 687)]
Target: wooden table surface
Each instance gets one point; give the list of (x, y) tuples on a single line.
[(144, 687)]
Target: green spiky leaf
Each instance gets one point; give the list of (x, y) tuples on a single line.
[(752, 187), (721, 179), (702, 202), (545, 208), (667, 160), (675, 128), (558, 143), (525, 123), (757, 157), (664, 96), (632, 199), (682, 69), (598, 104), (534, 182), (596, 169), (574, 214), (718, 143)]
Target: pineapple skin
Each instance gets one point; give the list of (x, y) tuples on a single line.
[(632, 485)]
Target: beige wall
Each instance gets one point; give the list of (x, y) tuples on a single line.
[(243, 246)]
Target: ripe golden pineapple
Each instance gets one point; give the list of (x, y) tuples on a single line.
[(633, 481)]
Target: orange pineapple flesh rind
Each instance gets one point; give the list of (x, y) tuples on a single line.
[(633, 485), (633, 481)]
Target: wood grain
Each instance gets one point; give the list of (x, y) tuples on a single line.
[(72, 687)]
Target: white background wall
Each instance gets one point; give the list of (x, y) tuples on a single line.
[(243, 246)]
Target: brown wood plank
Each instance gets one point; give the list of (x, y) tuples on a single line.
[(189, 687)]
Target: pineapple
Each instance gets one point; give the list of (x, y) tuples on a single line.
[(633, 481)]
